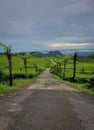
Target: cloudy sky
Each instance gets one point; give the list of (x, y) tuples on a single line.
[(47, 24)]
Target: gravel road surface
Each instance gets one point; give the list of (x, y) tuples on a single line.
[(48, 104)]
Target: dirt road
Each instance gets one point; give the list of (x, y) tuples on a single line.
[(47, 104)]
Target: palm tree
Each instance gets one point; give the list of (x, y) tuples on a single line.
[(65, 63), (9, 57), (25, 58), (59, 67), (74, 64)]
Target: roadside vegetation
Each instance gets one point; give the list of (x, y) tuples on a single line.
[(79, 73), (19, 69), (22, 73)]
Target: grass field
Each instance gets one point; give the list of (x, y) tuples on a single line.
[(18, 70), (88, 66), (18, 65), (84, 73)]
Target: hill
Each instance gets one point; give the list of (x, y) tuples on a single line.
[(54, 53), (49, 54)]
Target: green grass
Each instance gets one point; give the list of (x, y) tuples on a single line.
[(88, 74), (88, 67), (81, 87), (18, 68), (75, 85), (43, 63), (17, 84), (18, 65)]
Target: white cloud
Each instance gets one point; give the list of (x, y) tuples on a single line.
[(70, 45)]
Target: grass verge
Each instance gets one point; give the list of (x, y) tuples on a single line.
[(81, 87), (17, 84)]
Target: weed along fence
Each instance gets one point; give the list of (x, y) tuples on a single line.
[(81, 70), (23, 66), (84, 72), (19, 72), (21, 69)]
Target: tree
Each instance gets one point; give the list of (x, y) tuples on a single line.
[(9, 57), (65, 63), (25, 57), (74, 64), (58, 66)]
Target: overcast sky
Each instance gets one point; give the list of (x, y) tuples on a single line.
[(47, 24)]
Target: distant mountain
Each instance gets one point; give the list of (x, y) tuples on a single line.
[(91, 56), (85, 53), (81, 52), (54, 53), (37, 54), (49, 54)]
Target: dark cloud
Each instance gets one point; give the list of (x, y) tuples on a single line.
[(37, 22)]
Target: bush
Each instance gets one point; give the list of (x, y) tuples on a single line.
[(4, 78), (1, 73), (23, 76), (81, 80), (90, 84), (77, 80), (68, 79)]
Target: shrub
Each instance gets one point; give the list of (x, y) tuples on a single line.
[(1, 73), (90, 83), (3, 77), (24, 76), (81, 80)]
